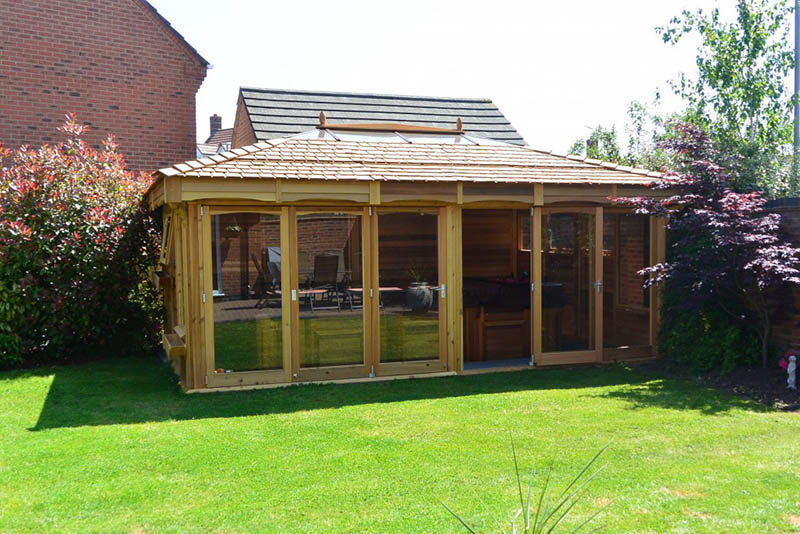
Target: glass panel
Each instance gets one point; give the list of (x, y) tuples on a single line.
[(246, 267), (329, 263), (525, 231), (626, 304), (567, 278), (408, 274)]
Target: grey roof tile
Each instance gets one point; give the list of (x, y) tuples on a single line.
[(277, 113)]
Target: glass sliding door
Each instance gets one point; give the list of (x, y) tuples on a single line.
[(410, 291), (626, 304), (570, 285), (329, 294), (246, 268)]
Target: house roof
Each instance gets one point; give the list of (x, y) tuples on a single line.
[(220, 137), (275, 113), (192, 50), (322, 154)]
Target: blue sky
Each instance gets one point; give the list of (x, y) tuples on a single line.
[(552, 67)]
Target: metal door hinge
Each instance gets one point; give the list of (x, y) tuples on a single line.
[(294, 295), (370, 210), (598, 286), (532, 362), (204, 298), (202, 210), (531, 212), (444, 291), (206, 379), (372, 371), (533, 287)]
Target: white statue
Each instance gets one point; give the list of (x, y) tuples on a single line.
[(792, 370)]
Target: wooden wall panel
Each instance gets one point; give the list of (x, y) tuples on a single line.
[(490, 243), (406, 192), (223, 188)]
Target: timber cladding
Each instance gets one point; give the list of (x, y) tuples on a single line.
[(115, 63), (786, 333)]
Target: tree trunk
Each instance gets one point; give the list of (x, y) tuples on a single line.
[(765, 344)]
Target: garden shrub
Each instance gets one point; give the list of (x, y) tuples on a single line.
[(704, 340), (76, 247)]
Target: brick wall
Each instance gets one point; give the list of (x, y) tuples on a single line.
[(113, 62), (243, 134), (245, 238), (786, 333), (626, 250)]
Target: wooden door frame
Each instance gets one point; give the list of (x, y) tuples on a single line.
[(420, 366), (329, 372), (242, 378), (596, 326)]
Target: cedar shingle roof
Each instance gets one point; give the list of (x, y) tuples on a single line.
[(276, 113), (306, 158)]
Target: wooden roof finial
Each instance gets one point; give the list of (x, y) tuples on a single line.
[(459, 124), (322, 118)]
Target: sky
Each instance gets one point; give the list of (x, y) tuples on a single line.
[(554, 68)]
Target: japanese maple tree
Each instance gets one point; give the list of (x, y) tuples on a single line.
[(725, 249)]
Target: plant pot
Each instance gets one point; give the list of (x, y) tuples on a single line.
[(419, 296)]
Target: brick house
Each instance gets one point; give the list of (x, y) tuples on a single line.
[(118, 64)]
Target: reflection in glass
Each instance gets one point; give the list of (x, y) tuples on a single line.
[(626, 304), (329, 258), (408, 274), (246, 267), (567, 282)]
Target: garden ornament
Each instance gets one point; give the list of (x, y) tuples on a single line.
[(792, 370)]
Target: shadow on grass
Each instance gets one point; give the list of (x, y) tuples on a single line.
[(144, 390), (678, 394)]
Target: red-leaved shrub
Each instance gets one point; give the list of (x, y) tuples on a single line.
[(76, 246)]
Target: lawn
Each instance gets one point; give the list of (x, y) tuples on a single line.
[(116, 448)]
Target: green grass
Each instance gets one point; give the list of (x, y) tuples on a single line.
[(116, 448)]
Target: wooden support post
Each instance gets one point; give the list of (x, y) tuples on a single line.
[(374, 193), (293, 285), (538, 194), (196, 365), (536, 280), (207, 301), (372, 277), (286, 297), (658, 249), (454, 300), (597, 290)]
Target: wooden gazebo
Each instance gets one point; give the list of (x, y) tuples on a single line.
[(376, 251)]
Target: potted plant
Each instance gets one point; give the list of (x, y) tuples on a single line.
[(419, 295)]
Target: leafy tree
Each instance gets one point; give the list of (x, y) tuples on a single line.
[(602, 144), (740, 95), (725, 248), (76, 246), (644, 130)]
